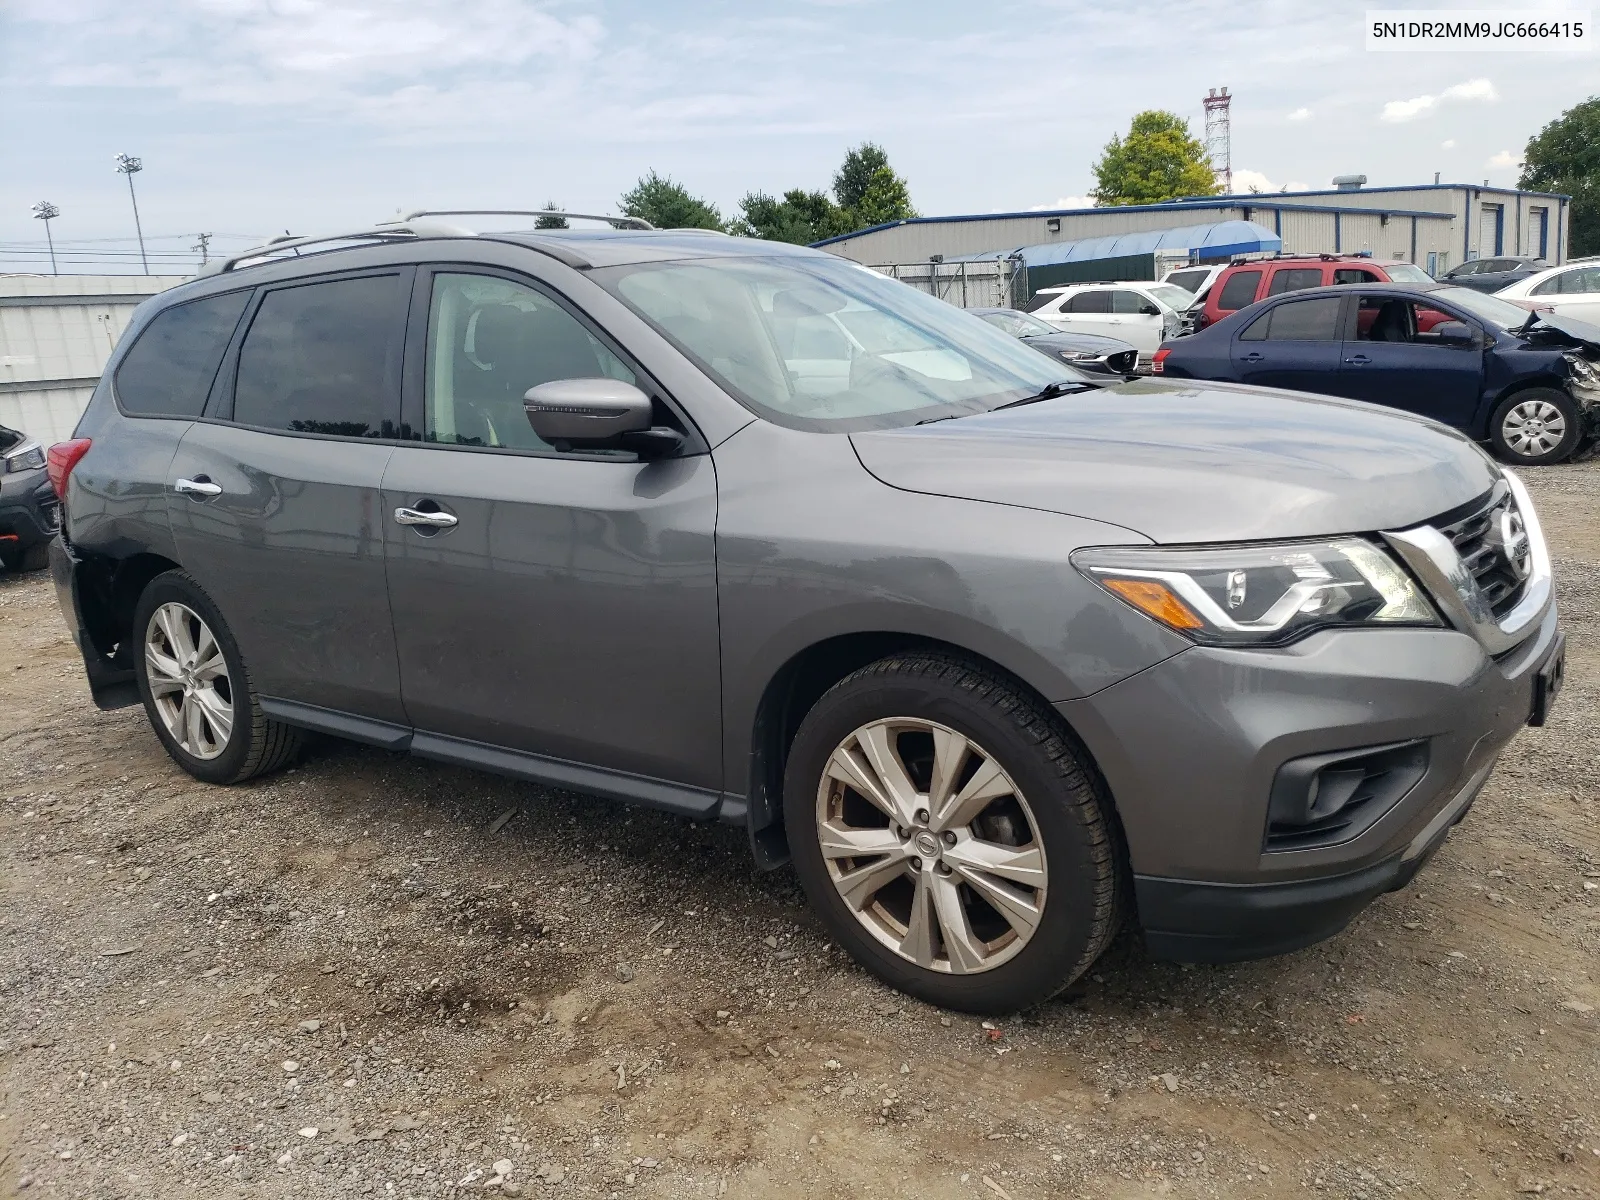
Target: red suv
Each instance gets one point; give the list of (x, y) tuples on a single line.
[(1244, 283)]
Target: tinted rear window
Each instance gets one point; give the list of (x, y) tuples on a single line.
[(1189, 281), (1239, 291), (1298, 321), (168, 372), (1294, 279), (323, 358)]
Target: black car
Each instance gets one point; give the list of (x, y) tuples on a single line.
[(1086, 351), (1492, 274), (29, 513), (1526, 382)]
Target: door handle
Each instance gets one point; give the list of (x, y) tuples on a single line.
[(1358, 360), (1253, 357), (436, 520), (198, 486)]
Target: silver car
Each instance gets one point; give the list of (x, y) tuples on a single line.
[(1000, 656)]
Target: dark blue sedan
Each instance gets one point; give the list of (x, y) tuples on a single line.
[(1527, 383)]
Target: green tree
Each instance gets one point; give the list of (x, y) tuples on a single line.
[(667, 204), (801, 217), (1159, 160), (552, 218), (851, 180), (1565, 157)]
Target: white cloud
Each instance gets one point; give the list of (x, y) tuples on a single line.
[(1503, 160), (1300, 114), (1407, 110), (1448, 144)]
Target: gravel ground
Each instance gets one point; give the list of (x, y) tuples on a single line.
[(380, 976)]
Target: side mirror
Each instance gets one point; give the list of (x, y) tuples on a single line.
[(1453, 333), (586, 410), (1149, 310)]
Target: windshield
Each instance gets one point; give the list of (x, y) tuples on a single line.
[(1018, 324), (1488, 308), (1172, 296), (1406, 273), (821, 343)]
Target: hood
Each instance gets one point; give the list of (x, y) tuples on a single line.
[(1584, 333), (1193, 462), (1092, 342)]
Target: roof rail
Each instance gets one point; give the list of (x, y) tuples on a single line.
[(613, 221), (288, 242)]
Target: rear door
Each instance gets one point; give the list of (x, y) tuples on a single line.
[(1573, 293), (274, 493), (1238, 291), (563, 604), (1084, 312), (1294, 344), (1390, 359)]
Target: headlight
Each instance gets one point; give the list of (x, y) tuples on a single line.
[(27, 457), (1080, 356), (1261, 595), (1582, 368)]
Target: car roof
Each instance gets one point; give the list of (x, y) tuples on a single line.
[(1098, 283), (1379, 286)]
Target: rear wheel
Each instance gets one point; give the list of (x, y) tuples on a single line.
[(196, 689), (949, 834), (1536, 427)]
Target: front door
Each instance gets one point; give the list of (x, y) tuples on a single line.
[(559, 604), (1294, 344), (274, 501), (1132, 322), (1394, 358)]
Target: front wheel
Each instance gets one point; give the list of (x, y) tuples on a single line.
[(1536, 427), (196, 690), (949, 834)]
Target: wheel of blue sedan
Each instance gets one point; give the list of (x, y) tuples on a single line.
[(1535, 427), (944, 824)]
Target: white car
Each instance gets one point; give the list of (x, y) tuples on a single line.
[(1142, 314), (1571, 290), (1197, 279)]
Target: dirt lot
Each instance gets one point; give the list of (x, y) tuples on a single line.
[(360, 978)]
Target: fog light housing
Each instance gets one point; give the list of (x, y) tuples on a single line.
[(1325, 799)]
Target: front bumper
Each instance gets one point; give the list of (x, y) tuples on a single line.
[(1190, 749), (29, 511)]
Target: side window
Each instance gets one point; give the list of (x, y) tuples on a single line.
[(1305, 320), (1355, 275), (1294, 279), (489, 341), (1127, 303), (1551, 286), (1089, 302), (1239, 291), (170, 368), (323, 358)]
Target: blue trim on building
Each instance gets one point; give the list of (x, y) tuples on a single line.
[(1176, 206), (1337, 248)]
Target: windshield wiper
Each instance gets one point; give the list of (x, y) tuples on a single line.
[(1065, 387)]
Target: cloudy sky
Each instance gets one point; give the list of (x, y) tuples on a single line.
[(255, 116)]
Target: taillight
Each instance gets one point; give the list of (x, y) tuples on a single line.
[(62, 458), (1156, 367)]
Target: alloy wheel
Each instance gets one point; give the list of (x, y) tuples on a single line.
[(188, 679), (1533, 427), (931, 844)]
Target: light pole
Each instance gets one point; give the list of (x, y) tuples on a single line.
[(47, 212), (130, 166)]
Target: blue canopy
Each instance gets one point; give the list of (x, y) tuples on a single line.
[(1220, 239)]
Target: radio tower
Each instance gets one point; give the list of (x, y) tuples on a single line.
[(1218, 139)]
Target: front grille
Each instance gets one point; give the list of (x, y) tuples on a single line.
[(1123, 362), (1480, 540)]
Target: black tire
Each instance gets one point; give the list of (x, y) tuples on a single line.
[(1072, 816), (1520, 403), (34, 558), (256, 744)]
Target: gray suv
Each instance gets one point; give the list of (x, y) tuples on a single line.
[(1000, 656)]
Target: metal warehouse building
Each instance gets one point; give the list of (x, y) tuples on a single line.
[(56, 333), (1435, 226)]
